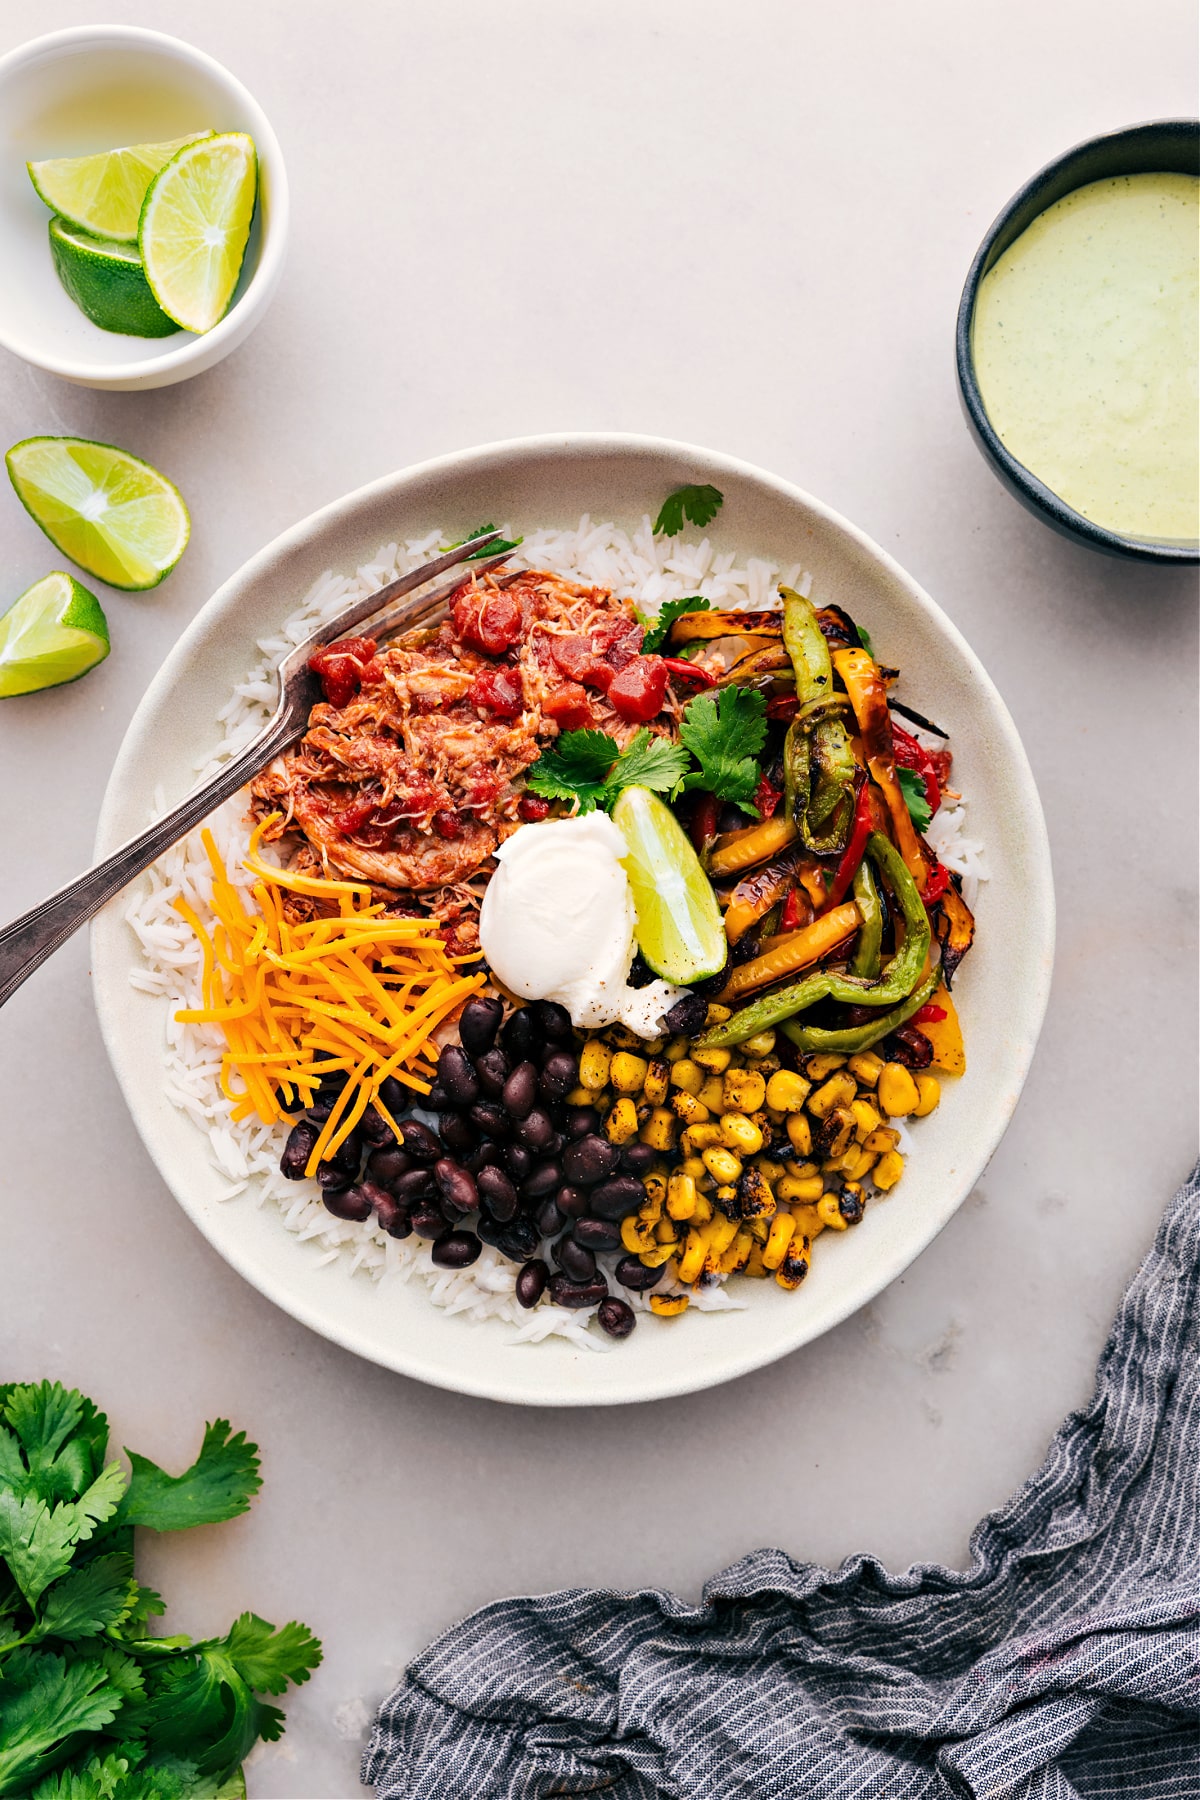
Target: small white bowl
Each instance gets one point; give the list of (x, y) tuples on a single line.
[(91, 89)]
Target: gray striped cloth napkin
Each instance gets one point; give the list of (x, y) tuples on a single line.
[(1065, 1663)]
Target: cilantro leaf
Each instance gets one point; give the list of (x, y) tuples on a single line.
[(496, 548), (658, 627), (61, 1436), (913, 789), (864, 638), (649, 762), (45, 1700), (725, 732), (89, 1599), (38, 1541), (267, 1659), (576, 768), (699, 504), (219, 1484)]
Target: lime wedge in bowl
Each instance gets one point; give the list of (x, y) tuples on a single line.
[(110, 512), (679, 927), (195, 226), (55, 632), (105, 279), (103, 193)]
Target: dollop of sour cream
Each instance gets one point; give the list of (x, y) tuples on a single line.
[(557, 923)]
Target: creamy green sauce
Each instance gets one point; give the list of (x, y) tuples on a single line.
[(1085, 338)]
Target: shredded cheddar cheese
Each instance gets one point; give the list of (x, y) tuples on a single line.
[(357, 993)]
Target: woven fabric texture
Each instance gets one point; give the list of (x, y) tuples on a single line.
[(1065, 1662)]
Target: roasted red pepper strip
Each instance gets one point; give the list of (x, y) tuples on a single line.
[(909, 754), (786, 707), (937, 884), (703, 828), (791, 918), (683, 670), (929, 1015), (766, 798), (856, 847)]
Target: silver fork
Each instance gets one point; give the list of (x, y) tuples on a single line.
[(29, 940)]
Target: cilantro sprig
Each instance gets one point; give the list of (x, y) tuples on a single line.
[(91, 1706), (699, 505), (590, 767), (912, 786), (659, 624), (498, 547), (725, 733)]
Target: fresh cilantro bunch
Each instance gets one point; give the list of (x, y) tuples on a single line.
[(699, 505), (91, 1705)]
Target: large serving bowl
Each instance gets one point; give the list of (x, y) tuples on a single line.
[(1001, 992)]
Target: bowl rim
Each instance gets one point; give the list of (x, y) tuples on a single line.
[(273, 242), (1036, 494), (109, 990)]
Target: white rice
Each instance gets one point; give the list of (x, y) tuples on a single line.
[(648, 570)]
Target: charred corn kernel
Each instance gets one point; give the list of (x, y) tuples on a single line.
[(800, 1133), (636, 1235), (621, 1125), (741, 1134), (888, 1170), (654, 1259), (837, 1132), (726, 1197), (803, 1169), (829, 1213), (858, 1162), (818, 1067), (744, 1090), (676, 1050), (852, 1203), (928, 1094), (794, 1267), (767, 1065), (659, 1130), (760, 1228), (806, 1188), (720, 1234), (691, 1165), (882, 1140), (623, 1039), (755, 1195), (668, 1306), (754, 1263), (787, 1091), (717, 1014), (761, 1044), (897, 1091), (687, 1075), (655, 1184), (737, 1255), (839, 1090), (657, 1082), (712, 1094), (715, 1060), (769, 1169), (651, 1209), (866, 1119), (642, 1109), (580, 1096), (694, 1253), (721, 1164), (782, 1227), (627, 1072), (699, 1138), (866, 1067), (808, 1220), (665, 1232), (595, 1060), (704, 1209), (762, 1119), (681, 1196), (685, 1106), (652, 1047)]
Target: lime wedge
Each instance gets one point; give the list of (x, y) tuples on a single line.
[(679, 928), (103, 194), (108, 511), (105, 279), (55, 632), (195, 227)]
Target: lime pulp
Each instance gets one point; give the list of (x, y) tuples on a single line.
[(195, 226), (110, 512), (679, 927), (103, 193), (55, 632), (106, 280)]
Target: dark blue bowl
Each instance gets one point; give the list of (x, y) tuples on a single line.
[(1170, 145)]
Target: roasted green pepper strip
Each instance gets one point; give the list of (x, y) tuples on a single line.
[(832, 802), (895, 983), (812, 1039), (819, 766), (805, 643), (865, 961)]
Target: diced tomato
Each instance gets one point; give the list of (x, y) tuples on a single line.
[(531, 809), (569, 708), (447, 824), (621, 654), (929, 1014), (766, 798), (909, 754), (339, 668), (490, 620), (354, 816), (637, 690), (573, 655), (941, 760), (373, 671), (499, 690)]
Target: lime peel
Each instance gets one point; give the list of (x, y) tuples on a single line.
[(111, 513), (680, 932), (105, 279), (52, 633)]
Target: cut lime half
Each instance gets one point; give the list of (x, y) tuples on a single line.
[(195, 227), (55, 632), (110, 512), (103, 193), (679, 927), (105, 279)]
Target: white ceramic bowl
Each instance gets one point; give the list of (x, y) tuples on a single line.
[(90, 89), (1001, 991)]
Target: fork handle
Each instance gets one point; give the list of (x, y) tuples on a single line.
[(29, 940)]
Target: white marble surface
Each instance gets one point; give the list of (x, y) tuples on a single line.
[(746, 226)]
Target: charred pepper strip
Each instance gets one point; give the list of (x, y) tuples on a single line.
[(856, 849), (895, 983), (855, 1038), (865, 961), (868, 696), (818, 762)]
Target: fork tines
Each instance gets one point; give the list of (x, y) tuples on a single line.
[(362, 610)]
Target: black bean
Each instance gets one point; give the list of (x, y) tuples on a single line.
[(638, 1159), (479, 1023), (387, 1165), (531, 1283), (582, 1121), (458, 1134), (617, 1198), (377, 1195), (302, 1139), (375, 1128), (332, 1179), (588, 1159), (456, 1074), (321, 1108), (687, 1016), (348, 1203), (455, 1186), (492, 1069), (393, 1217), (489, 1229), (416, 1185), (519, 1240), (548, 1218), (484, 1156), (498, 1194), (558, 1076), (520, 1090), (545, 1178), (554, 1020), (457, 1250), (437, 1099), (565, 1292), (419, 1141), (554, 1143), (597, 1234), (574, 1259), (518, 1160), (520, 1034), (634, 1274), (489, 1117), (615, 1316), (428, 1220), (332, 1084), (536, 1130), (394, 1095), (349, 1153)]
